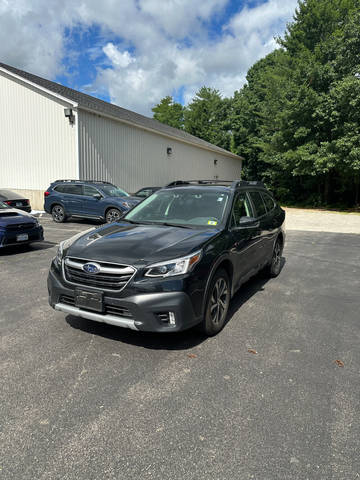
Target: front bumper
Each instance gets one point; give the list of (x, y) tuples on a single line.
[(8, 239), (143, 311)]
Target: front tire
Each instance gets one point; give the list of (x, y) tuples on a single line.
[(217, 304), (113, 215), (58, 214)]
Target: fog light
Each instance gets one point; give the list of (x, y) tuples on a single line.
[(171, 318)]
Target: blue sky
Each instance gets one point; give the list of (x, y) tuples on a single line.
[(135, 52)]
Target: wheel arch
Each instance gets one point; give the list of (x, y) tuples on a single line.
[(57, 202), (222, 262)]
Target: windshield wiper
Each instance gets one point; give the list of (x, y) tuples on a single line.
[(134, 222), (167, 224)]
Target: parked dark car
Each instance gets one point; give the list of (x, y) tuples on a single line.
[(146, 192), (87, 199), (174, 260), (15, 200), (18, 227)]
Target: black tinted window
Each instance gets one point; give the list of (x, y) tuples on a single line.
[(72, 189), (269, 202), (241, 208), (258, 203)]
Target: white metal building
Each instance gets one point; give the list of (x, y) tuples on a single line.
[(48, 131)]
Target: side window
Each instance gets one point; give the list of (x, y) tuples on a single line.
[(241, 208), (59, 189), (144, 193), (258, 203), (73, 189), (89, 191), (269, 202)]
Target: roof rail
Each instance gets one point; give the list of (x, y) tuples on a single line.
[(66, 180), (177, 183), (230, 183)]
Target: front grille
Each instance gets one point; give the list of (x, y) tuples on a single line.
[(109, 309), (20, 227), (111, 276)]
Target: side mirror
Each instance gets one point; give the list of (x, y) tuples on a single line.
[(245, 221), (97, 196)]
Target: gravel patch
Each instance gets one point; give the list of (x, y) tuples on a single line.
[(322, 221)]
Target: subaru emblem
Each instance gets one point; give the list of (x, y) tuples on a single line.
[(91, 268)]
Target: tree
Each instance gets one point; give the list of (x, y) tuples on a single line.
[(207, 117), (169, 112)]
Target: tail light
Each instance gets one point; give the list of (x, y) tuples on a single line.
[(27, 202), (46, 194), (8, 202)]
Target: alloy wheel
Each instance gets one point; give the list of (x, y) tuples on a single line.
[(276, 260), (219, 301), (58, 213), (113, 215)]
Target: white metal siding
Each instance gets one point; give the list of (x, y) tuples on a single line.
[(37, 143), (132, 158)]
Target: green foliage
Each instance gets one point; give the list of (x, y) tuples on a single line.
[(298, 118), (169, 112), (296, 121), (207, 117)]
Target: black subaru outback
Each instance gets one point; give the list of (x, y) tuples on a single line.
[(173, 261)]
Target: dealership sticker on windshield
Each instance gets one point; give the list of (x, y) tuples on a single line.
[(212, 222)]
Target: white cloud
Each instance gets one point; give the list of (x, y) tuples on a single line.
[(164, 46), (117, 58)]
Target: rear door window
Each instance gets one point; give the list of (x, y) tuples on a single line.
[(258, 203), (73, 189), (269, 202), (69, 189)]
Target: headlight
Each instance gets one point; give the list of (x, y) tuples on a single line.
[(170, 268), (67, 243), (59, 254)]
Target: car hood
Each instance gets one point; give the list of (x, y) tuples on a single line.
[(10, 216), (139, 244), (132, 201)]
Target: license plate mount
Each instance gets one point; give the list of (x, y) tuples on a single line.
[(22, 237), (93, 301)]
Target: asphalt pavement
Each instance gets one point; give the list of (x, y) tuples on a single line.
[(276, 395)]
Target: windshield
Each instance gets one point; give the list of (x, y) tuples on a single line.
[(112, 191), (183, 207), (3, 205)]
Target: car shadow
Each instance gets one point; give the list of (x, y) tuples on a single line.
[(154, 341), (248, 289), (83, 221), (169, 341), (18, 249)]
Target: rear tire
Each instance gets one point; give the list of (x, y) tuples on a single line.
[(58, 214), (274, 268), (217, 304)]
